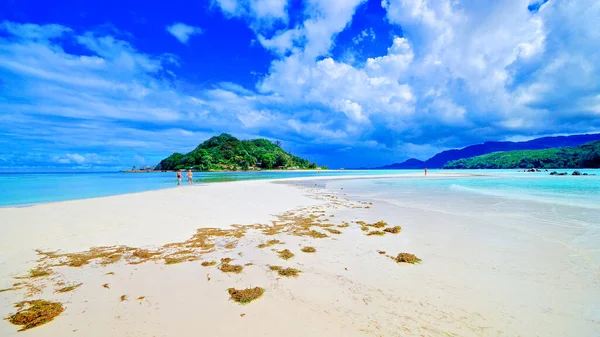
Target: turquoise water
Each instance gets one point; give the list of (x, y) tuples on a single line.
[(581, 191), (32, 188)]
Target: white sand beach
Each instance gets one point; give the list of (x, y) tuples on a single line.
[(481, 273)]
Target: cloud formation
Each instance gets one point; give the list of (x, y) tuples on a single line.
[(183, 32), (459, 72)]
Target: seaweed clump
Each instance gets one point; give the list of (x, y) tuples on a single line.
[(312, 233), (333, 231), (393, 230), (269, 243), (208, 263), (69, 288), (309, 249), (231, 268), (245, 295), (285, 254), (35, 313), (179, 259), (378, 233), (406, 258), (39, 272), (289, 272), (378, 224)]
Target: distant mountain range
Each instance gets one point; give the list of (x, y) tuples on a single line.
[(440, 159), (582, 156)]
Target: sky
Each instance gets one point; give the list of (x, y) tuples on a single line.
[(346, 83)]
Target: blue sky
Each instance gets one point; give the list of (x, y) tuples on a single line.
[(347, 83)]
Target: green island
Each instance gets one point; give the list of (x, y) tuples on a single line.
[(583, 156), (225, 152)]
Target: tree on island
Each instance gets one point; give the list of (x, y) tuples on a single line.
[(225, 152)]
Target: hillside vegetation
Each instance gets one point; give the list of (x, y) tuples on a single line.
[(583, 156), (440, 159), (225, 152)]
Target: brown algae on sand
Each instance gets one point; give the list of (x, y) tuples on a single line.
[(105, 285), (333, 231), (39, 272), (393, 230), (312, 233), (269, 243), (143, 255), (179, 259), (275, 268), (378, 233), (288, 272), (245, 296), (406, 258), (226, 260), (378, 224), (231, 245), (309, 249), (69, 288), (285, 254), (35, 313), (123, 298), (208, 263), (8, 289), (231, 268)]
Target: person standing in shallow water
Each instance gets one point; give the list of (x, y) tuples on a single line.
[(425, 171), (190, 177), (178, 177)]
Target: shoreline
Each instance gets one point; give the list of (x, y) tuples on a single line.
[(197, 184)]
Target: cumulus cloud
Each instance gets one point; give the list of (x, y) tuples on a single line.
[(461, 72), (183, 32)]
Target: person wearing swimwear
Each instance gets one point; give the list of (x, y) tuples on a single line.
[(189, 176), (178, 177)]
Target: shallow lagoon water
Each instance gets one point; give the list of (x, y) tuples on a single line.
[(31, 188)]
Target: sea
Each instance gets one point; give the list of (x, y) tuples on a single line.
[(23, 189)]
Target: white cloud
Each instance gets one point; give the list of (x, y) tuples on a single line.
[(462, 72), (88, 158), (367, 34), (33, 31), (260, 14), (183, 32), (394, 64)]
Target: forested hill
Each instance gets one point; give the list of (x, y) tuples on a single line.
[(583, 156), (440, 159), (225, 152)]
